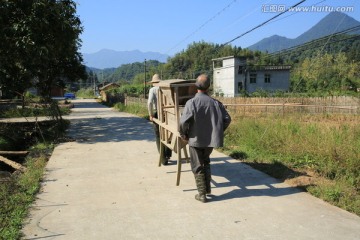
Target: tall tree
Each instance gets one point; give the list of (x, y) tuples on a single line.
[(14, 45), (41, 42)]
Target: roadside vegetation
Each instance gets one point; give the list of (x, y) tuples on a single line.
[(137, 109), (18, 193), (32, 106), (19, 187), (85, 93), (32, 112)]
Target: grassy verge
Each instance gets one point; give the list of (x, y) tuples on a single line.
[(17, 195), (137, 109), (36, 111), (18, 190), (318, 153), (30, 112)]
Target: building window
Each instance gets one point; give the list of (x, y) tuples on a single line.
[(252, 77), (240, 70), (267, 78), (240, 87)]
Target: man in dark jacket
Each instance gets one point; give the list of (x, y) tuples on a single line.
[(202, 124)]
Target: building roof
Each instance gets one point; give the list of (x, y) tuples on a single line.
[(268, 67), (222, 58), (108, 86), (170, 82)]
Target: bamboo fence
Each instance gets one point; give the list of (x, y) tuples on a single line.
[(315, 105), (318, 105)]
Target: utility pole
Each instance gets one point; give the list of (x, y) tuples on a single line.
[(94, 84), (145, 79)]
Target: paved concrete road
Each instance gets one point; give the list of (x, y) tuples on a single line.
[(107, 185)]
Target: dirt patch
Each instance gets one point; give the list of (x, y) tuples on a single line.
[(301, 181)]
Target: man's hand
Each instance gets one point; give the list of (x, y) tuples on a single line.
[(184, 138), (151, 118)]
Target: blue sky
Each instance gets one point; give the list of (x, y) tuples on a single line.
[(169, 26)]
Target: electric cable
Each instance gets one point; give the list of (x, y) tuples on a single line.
[(262, 24), (294, 48), (295, 12), (203, 25), (242, 17)]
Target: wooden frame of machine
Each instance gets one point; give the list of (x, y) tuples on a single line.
[(172, 96)]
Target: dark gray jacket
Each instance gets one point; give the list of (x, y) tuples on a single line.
[(204, 121)]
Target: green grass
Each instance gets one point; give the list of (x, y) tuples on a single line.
[(17, 195), (85, 93), (326, 146), (32, 112), (137, 109)]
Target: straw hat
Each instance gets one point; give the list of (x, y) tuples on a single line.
[(155, 78)]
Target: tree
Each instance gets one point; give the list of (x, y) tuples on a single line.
[(197, 58), (15, 41), (40, 47), (329, 72)]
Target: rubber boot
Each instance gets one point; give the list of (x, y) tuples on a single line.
[(207, 170), (200, 184)]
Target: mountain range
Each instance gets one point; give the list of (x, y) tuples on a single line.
[(333, 22), (107, 58)]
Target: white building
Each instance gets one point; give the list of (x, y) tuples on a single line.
[(232, 76)]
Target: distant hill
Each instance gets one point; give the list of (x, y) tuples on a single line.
[(106, 58), (335, 21), (125, 72)]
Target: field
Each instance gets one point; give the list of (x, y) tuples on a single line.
[(319, 153)]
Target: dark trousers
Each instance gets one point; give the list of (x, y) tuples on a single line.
[(199, 158), (167, 151)]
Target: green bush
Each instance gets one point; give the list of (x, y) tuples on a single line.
[(85, 93), (133, 90)]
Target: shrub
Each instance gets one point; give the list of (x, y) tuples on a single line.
[(85, 93)]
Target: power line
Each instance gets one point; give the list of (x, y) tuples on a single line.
[(333, 33), (203, 25), (295, 12), (262, 24), (241, 18), (294, 48)]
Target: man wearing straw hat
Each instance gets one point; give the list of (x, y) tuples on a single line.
[(152, 108), (202, 125)]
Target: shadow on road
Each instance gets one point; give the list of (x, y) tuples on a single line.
[(112, 129), (248, 182), (89, 105)]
